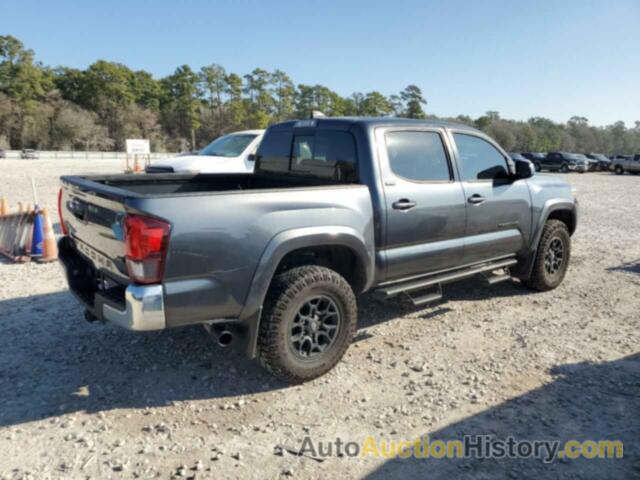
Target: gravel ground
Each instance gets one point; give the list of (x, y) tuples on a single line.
[(80, 400)]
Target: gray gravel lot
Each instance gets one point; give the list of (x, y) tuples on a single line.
[(80, 400)]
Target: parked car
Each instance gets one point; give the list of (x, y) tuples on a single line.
[(3, 154), (564, 162), (603, 161), (232, 153), (626, 163), (582, 163), (537, 158), (336, 207), (592, 164), (29, 154)]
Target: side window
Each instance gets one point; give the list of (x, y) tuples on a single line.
[(479, 160), (418, 156), (273, 152), (302, 150), (327, 154)]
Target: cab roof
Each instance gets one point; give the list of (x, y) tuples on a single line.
[(344, 123)]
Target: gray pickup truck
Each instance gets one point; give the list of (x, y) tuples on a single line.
[(626, 163), (336, 207)]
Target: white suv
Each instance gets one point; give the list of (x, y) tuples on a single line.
[(232, 153)]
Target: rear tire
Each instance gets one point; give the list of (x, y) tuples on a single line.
[(552, 257), (564, 168), (308, 322), (538, 167)]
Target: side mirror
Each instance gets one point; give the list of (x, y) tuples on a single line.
[(251, 157), (524, 169)]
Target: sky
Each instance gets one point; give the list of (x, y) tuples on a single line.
[(546, 58)]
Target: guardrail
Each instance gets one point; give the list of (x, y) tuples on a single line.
[(75, 155)]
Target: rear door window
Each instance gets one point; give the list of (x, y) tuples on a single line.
[(418, 156)]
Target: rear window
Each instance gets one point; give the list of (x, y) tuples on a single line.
[(274, 151), (325, 154)]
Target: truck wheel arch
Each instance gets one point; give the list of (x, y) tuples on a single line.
[(308, 238), (294, 240), (565, 215), (562, 210)]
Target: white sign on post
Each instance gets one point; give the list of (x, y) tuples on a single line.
[(137, 150), (138, 146)]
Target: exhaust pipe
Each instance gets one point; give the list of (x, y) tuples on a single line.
[(225, 338), (222, 336)]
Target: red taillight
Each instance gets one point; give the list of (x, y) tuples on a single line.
[(146, 241), (62, 225)]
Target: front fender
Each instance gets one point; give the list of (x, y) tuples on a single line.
[(548, 208), (295, 239)]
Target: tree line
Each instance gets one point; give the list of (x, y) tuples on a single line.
[(62, 108)]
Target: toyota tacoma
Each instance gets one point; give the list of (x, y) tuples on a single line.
[(336, 207)]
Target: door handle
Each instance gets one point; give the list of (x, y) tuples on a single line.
[(476, 199), (404, 204)]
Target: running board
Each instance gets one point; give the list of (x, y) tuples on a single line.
[(391, 290), (427, 298), (493, 279)]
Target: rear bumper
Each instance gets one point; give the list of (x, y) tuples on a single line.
[(135, 307), (144, 309)]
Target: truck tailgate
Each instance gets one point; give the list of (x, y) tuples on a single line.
[(94, 222)]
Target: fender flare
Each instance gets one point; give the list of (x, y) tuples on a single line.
[(282, 244), (550, 206)]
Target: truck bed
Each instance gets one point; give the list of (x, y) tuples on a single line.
[(154, 185), (220, 226)]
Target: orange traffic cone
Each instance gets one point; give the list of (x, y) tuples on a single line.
[(4, 207), (50, 252)]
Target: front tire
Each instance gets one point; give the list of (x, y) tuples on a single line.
[(564, 168), (552, 257), (619, 170), (538, 167), (308, 322)]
